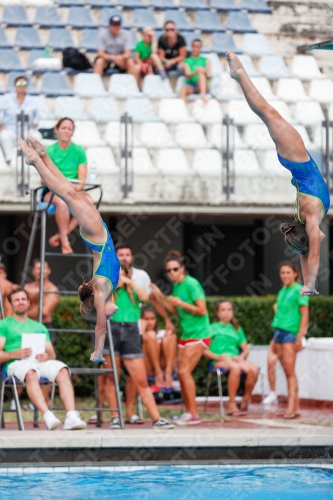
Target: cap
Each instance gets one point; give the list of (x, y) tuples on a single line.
[(115, 20)]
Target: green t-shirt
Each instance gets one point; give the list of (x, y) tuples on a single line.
[(128, 312), (12, 331), (143, 50), (194, 63), (68, 160), (288, 314), (226, 340), (193, 326)]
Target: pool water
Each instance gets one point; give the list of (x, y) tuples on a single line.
[(174, 483)]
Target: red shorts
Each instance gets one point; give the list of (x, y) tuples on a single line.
[(184, 343)]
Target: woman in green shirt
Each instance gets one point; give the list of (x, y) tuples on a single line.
[(146, 58), (290, 325), (229, 349), (71, 160), (197, 71), (189, 302)]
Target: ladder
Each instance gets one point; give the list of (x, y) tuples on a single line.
[(41, 209)]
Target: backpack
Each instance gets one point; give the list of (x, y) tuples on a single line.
[(73, 58)]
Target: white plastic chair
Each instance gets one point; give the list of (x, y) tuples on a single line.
[(225, 88), (141, 110), (306, 68), (207, 113), (256, 45), (246, 163), (274, 67), (263, 85), (309, 113), (156, 87), (108, 171), (89, 85), (43, 108), (207, 164), (71, 107), (257, 137), (215, 63), (87, 134), (241, 113), (146, 177), (177, 177), (123, 86), (104, 109), (113, 137), (321, 91), (174, 111), (216, 136), (247, 62), (291, 90), (156, 135), (190, 136)]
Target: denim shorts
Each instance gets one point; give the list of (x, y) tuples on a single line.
[(283, 337), (194, 87)]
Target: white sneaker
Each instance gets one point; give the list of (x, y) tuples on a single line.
[(52, 422), (270, 399), (188, 419), (73, 421), (12, 404)]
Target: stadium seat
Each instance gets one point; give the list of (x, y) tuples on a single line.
[(69, 3), (207, 21), (207, 113), (246, 162), (48, 17), (305, 136), (106, 13), (263, 85), (27, 38), (146, 177), (9, 61), (216, 136), (104, 109), (89, 85), (190, 36), (274, 67), (98, 4), (309, 113), (291, 90), (54, 85), (44, 111), (257, 137), (223, 5), (256, 45), (215, 64), (162, 4), (11, 79), (246, 60), (207, 162), (142, 164), (114, 135), (321, 91), (108, 172), (86, 134), (306, 68), (174, 111), (241, 113), (155, 87), (222, 43), (177, 177), (179, 18), (156, 135), (123, 86), (69, 106), (60, 38), (224, 88), (142, 18), (79, 17), (239, 22), (193, 4), (141, 110), (15, 15), (131, 4), (319, 138), (259, 6), (4, 44), (190, 136), (89, 40)]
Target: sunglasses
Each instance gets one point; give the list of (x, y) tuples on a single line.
[(21, 84), (174, 269)]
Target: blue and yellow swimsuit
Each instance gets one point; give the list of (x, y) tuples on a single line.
[(308, 180), (108, 267)]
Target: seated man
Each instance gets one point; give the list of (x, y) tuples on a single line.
[(43, 366), (197, 71)]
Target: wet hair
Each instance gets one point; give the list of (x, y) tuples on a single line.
[(16, 290), (233, 320), (150, 309), (174, 255), (295, 236), (87, 306), (292, 266), (62, 120), (121, 246)]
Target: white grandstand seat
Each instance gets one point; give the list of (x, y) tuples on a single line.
[(263, 85), (207, 164), (247, 62), (270, 163), (207, 113), (174, 111), (89, 85), (225, 88), (306, 68), (156, 135), (256, 45), (291, 90), (141, 110), (215, 64), (309, 113), (146, 177), (7, 175), (104, 109), (257, 137), (321, 91), (155, 87), (275, 180), (216, 135), (142, 164), (274, 67), (190, 136), (177, 177), (319, 139), (245, 162), (43, 108), (115, 136), (123, 87), (305, 136), (86, 134), (241, 113), (71, 107), (108, 171)]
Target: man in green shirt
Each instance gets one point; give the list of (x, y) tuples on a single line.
[(28, 369), (197, 73)]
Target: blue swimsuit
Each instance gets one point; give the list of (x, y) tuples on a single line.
[(108, 267), (308, 180)]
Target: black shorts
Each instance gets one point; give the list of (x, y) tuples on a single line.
[(112, 65), (127, 341), (52, 334)]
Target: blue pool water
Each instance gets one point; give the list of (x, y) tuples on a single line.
[(174, 483)]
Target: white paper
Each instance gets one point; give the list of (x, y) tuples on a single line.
[(36, 342)]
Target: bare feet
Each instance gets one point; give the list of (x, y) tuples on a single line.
[(236, 67), (30, 155), (54, 241), (38, 147)]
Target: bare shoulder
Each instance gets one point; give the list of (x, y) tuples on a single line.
[(51, 286)]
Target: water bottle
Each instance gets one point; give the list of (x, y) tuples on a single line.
[(93, 173), (47, 52)]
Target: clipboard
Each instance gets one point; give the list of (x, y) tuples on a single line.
[(36, 342)]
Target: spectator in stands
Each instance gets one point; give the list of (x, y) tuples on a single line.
[(189, 302), (146, 58), (11, 105), (6, 287), (229, 349), (29, 371), (71, 160), (290, 322), (171, 47), (197, 71), (114, 49)]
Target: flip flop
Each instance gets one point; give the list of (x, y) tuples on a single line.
[(134, 420), (289, 416), (237, 413)]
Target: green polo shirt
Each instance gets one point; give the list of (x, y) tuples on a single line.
[(68, 160), (288, 315), (128, 311), (226, 339)]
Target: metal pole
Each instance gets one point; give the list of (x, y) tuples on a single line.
[(126, 154), (115, 373), (42, 261), (30, 248), (228, 153)]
